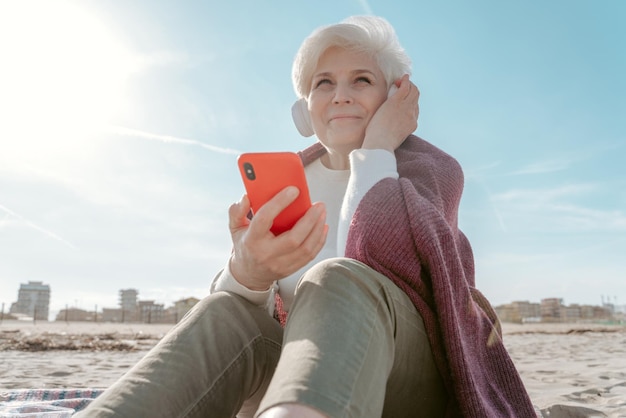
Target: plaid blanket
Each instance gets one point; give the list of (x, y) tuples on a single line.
[(76, 399)]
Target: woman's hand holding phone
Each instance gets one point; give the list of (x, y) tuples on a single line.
[(259, 256), (285, 232)]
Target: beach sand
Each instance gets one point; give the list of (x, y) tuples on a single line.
[(570, 370), (49, 355)]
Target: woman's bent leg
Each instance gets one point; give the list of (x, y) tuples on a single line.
[(355, 346), (222, 353)]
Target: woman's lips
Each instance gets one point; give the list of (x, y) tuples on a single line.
[(343, 116)]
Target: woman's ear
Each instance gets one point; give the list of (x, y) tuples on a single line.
[(302, 118)]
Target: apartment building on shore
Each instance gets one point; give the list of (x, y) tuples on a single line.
[(33, 301), (554, 310)]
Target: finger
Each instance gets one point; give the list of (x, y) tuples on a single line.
[(264, 217), (237, 213), (400, 84), (316, 211), (405, 84), (302, 229), (315, 241), (413, 98), (414, 92), (306, 251)]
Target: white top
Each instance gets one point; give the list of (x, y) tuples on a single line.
[(341, 191)]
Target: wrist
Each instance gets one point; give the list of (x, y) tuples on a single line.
[(379, 143), (242, 278)]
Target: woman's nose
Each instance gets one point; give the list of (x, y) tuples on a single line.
[(342, 95)]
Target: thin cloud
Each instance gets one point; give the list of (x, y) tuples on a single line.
[(562, 254), (564, 162), (119, 130), (550, 208), (477, 172), (529, 196), (586, 218), (508, 259), (4, 220), (44, 231), (541, 167)]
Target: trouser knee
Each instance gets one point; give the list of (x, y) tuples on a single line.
[(236, 313), (341, 274)]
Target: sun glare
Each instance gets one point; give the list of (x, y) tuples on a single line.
[(61, 79)]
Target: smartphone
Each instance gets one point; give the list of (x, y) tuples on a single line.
[(265, 174)]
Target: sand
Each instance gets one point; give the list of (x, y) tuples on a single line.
[(71, 355), (570, 370)]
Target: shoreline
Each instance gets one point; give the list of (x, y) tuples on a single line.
[(79, 336), (26, 336), (138, 330)]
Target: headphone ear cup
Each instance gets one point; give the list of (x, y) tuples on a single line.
[(302, 118)]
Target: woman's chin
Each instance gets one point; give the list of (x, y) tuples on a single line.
[(339, 139)]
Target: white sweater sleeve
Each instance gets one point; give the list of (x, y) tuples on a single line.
[(224, 281), (367, 167)]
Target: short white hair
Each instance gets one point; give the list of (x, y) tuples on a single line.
[(369, 34)]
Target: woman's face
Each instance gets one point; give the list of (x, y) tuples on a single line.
[(346, 90)]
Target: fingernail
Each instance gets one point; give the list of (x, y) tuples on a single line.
[(292, 191), (319, 209)]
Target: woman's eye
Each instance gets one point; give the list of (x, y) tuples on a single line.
[(363, 80), (322, 82)]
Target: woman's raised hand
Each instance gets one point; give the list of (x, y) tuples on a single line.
[(395, 119), (259, 257)]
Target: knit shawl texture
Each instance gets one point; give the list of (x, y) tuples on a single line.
[(407, 229)]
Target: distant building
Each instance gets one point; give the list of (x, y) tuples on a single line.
[(587, 312), (602, 312), (183, 306), (150, 312), (571, 313), (551, 309), (519, 311), (128, 305), (75, 314), (111, 315), (33, 300)]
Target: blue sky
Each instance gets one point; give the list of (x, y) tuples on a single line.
[(120, 123)]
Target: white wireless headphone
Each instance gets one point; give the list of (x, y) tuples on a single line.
[(302, 117)]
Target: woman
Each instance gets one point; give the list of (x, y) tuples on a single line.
[(375, 282)]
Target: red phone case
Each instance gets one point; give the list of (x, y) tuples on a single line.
[(265, 174)]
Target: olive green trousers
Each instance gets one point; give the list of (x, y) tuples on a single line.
[(354, 346)]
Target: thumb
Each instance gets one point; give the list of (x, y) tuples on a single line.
[(238, 213)]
